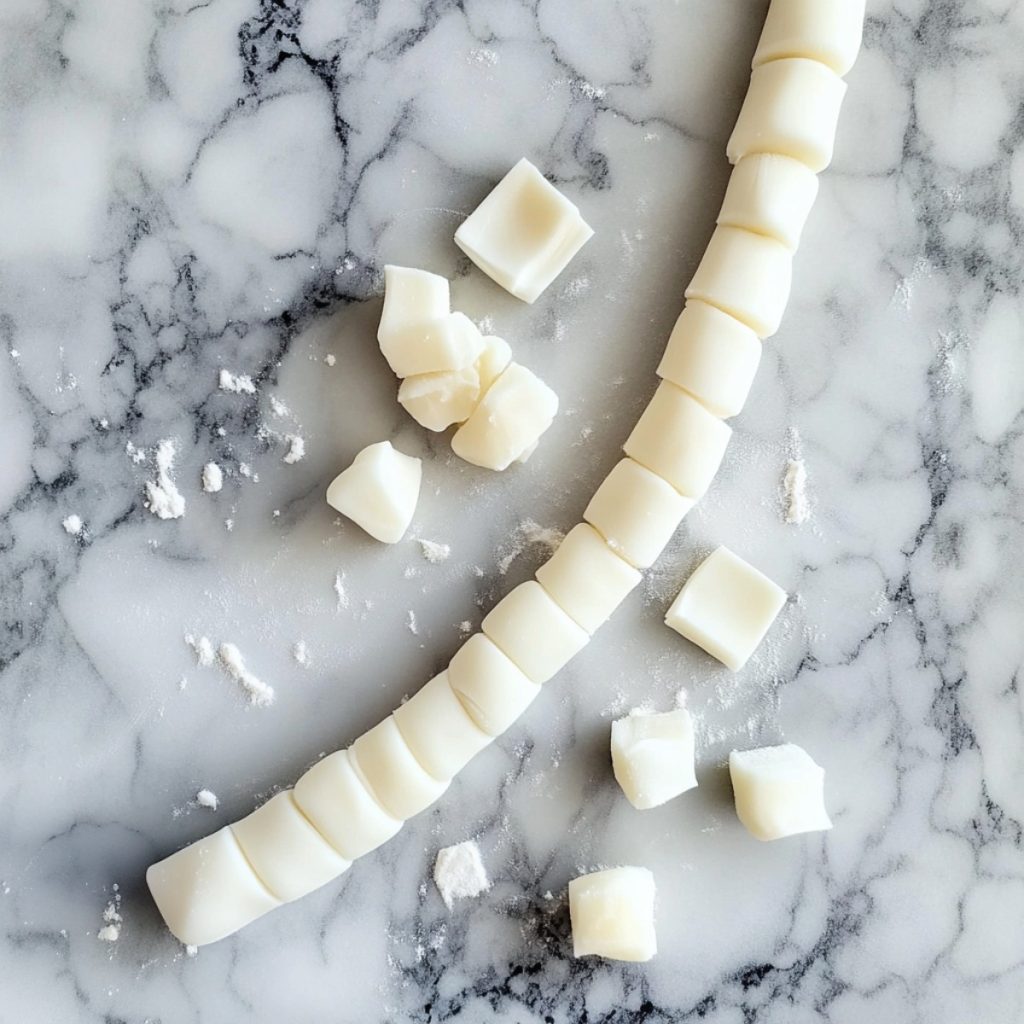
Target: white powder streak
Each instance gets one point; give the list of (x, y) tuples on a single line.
[(261, 695), (797, 507), (203, 649), (73, 525), (207, 798), (213, 478), (433, 551), (459, 872), (296, 449), (240, 384), (163, 498)]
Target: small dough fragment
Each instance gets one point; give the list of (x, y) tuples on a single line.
[(438, 730), (791, 108), (533, 631), (490, 686), (524, 233), (287, 853), (586, 578), (726, 607), (412, 298), (378, 491), (712, 356), (208, 890), (437, 400), (828, 31), (779, 791), (636, 512), (342, 809), (771, 195), (391, 772), (653, 756), (747, 276), (511, 416), (612, 914), (680, 440), (450, 343)]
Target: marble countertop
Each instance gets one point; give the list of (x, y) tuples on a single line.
[(189, 186)]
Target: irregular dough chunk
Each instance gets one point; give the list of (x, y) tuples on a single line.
[(492, 688), (636, 512), (712, 356), (770, 195), (346, 814), (512, 415), (208, 890), (653, 756), (779, 791), (437, 400), (612, 914), (533, 631), (828, 31), (412, 298), (586, 578), (726, 607), (747, 276), (449, 343), (378, 491), (287, 853), (677, 438), (524, 233), (438, 729), (791, 108), (391, 772)]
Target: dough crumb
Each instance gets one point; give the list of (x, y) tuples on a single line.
[(236, 384), (260, 694), (434, 552), (207, 798), (296, 449), (300, 653), (213, 478), (459, 872), (797, 507), (73, 525), (163, 498), (203, 649)]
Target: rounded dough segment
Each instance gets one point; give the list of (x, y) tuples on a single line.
[(792, 108), (490, 686), (208, 890), (747, 276), (636, 512), (653, 756), (586, 578), (391, 772), (287, 853), (677, 438), (612, 914), (828, 31), (534, 632), (439, 730), (770, 195), (345, 813), (712, 356)]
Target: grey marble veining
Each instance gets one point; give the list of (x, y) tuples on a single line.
[(190, 186)]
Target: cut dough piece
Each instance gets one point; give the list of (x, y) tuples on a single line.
[(792, 108), (652, 756), (378, 491), (712, 356), (491, 687), (726, 607), (524, 233), (512, 415), (779, 791), (677, 438), (612, 914), (586, 578), (533, 631), (438, 730), (412, 298), (208, 890), (493, 362), (824, 30), (437, 400), (746, 275), (391, 772), (287, 853), (449, 343), (770, 195), (636, 512), (345, 813)]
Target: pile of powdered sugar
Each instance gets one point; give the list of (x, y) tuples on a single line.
[(163, 498), (112, 919), (260, 694), (459, 872)]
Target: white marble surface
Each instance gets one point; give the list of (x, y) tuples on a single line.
[(189, 186)]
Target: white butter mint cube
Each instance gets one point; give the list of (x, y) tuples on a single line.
[(412, 298), (378, 491), (449, 343), (437, 400), (612, 914), (653, 756), (511, 416), (524, 233), (492, 362), (779, 791), (726, 607), (828, 31)]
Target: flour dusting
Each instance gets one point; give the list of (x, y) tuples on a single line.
[(301, 653), (797, 507), (296, 449), (459, 872), (208, 799), (339, 590), (529, 534), (236, 384), (111, 930), (213, 478), (163, 498), (434, 552), (202, 648), (73, 525), (260, 694)]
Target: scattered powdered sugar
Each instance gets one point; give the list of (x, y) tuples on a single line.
[(73, 525), (410, 622), (528, 534), (277, 407), (111, 930), (330, 359), (587, 90), (207, 798), (213, 478), (192, 951), (300, 653), (459, 872), (797, 507), (465, 627), (339, 590), (261, 695), (163, 498), (482, 55), (137, 455), (203, 649), (236, 384), (296, 449), (434, 552)]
